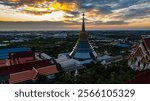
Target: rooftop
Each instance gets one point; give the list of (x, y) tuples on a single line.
[(147, 42), (4, 53), (122, 45), (6, 70)]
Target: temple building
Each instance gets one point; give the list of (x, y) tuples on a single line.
[(139, 59), (83, 50)]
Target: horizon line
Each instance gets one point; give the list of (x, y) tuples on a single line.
[(77, 30)]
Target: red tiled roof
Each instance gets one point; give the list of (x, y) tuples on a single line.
[(19, 60), (11, 62), (26, 59), (23, 67), (147, 42), (34, 72), (20, 76), (48, 70), (21, 57), (142, 77), (22, 54), (3, 63), (31, 74)]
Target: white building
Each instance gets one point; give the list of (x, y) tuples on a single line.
[(67, 63), (106, 59), (62, 35), (45, 56), (3, 44)]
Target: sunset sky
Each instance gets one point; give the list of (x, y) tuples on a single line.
[(67, 14)]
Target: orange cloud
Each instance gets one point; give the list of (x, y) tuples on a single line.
[(65, 6), (29, 1), (40, 7), (13, 0), (92, 13)]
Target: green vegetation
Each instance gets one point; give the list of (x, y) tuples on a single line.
[(102, 47), (50, 46), (41, 78), (116, 73)]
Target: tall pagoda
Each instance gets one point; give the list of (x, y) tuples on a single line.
[(83, 50)]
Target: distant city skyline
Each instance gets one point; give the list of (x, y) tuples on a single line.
[(67, 14)]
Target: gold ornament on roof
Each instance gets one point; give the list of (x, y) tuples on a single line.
[(83, 33)]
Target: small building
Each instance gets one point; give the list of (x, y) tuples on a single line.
[(106, 59), (139, 58), (71, 65), (121, 45), (62, 35), (68, 64), (45, 56), (112, 60), (3, 44), (16, 40)]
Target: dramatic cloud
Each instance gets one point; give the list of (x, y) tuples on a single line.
[(40, 7), (112, 23), (137, 11), (97, 12)]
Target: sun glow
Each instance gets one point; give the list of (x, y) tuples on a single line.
[(42, 7), (13, 0), (34, 9), (64, 6)]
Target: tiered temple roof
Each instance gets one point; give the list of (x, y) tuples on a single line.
[(83, 50), (139, 59)]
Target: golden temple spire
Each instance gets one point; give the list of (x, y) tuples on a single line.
[(83, 34), (83, 25)]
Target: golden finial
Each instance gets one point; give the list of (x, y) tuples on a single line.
[(83, 34)]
